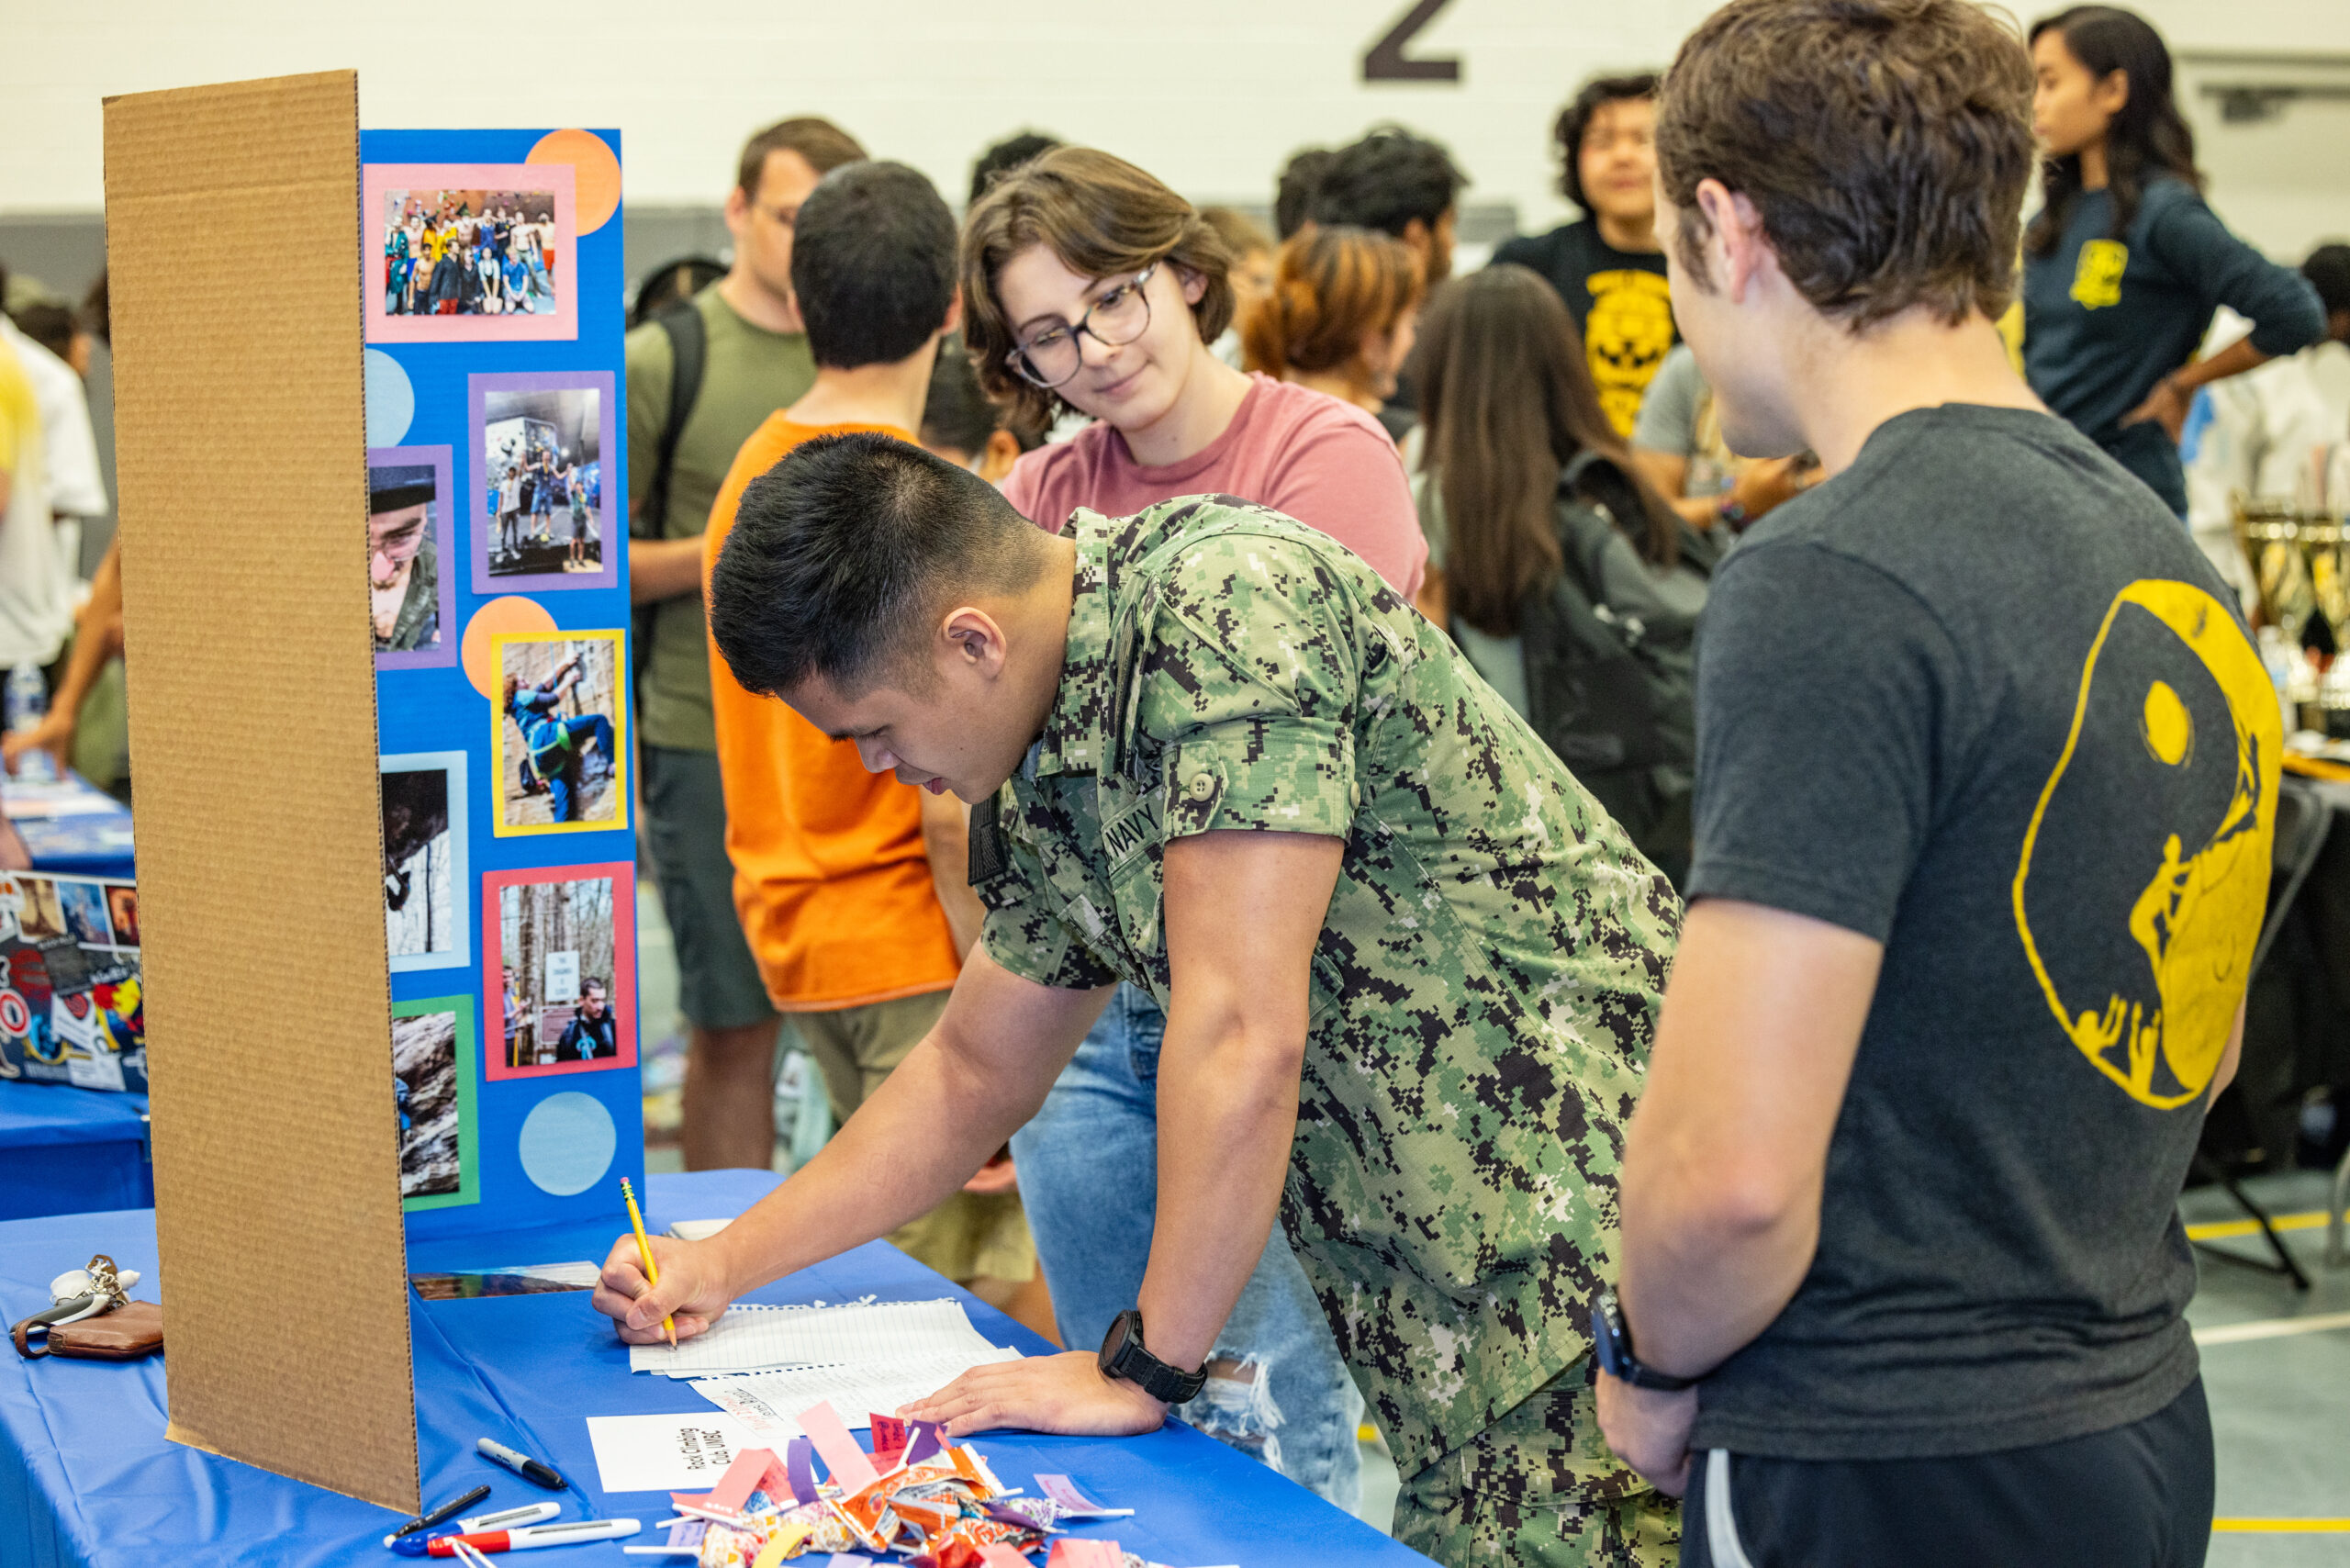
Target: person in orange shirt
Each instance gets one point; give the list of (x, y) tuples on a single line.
[(852, 887)]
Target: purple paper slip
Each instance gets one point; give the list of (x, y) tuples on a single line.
[(1075, 1504), (799, 1468), (923, 1441)]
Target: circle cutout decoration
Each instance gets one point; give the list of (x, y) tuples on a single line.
[(511, 613), (566, 1143), (595, 179), (391, 399)]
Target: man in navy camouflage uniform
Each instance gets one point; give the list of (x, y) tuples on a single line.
[(1410, 969)]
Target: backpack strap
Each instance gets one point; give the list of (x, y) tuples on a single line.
[(688, 337), (1585, 527)]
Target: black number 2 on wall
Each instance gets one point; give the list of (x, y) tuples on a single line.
[(1385, 61)]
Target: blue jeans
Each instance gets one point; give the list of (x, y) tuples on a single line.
[(1089, 1179), (561, 792)]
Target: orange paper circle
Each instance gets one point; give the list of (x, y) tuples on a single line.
[(596, 180), (513, 614)]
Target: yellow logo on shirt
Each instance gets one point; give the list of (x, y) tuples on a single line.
[(1626, 336), (2153, 1009), (2096, 280)]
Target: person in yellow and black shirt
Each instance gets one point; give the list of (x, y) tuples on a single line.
[(1607, 265), (2124, 264)]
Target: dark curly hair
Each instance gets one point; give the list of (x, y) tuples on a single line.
[(1575, 119)]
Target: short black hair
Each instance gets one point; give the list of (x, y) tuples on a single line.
[(872, 264), (1294, 191), (1021, 147), (1636, 86), (1385, 180), (839, 552), (2328, 270), (50, 325)]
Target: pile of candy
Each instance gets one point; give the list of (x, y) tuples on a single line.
[(938, 1506)]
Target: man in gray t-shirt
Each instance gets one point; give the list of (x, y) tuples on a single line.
[(1987, 782)]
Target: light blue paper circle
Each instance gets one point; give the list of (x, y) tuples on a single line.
[(568, 1142), (391, 399)]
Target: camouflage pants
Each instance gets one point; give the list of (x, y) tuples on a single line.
[(1539, 1486)]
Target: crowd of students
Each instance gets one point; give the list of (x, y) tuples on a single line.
[(1563, 854), (452, 261)]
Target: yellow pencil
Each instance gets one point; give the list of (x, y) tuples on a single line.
[(644, 1255)]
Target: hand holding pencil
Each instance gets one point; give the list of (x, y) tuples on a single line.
[(644, 1255), (660, 1290)]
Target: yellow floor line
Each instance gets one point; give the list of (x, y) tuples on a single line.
[(2281, 1527), (2220, 1230), (2272, 1328)]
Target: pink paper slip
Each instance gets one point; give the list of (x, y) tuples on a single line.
[(1075, 1504), (852, 1470)]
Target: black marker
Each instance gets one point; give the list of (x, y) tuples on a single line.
[(523, 1465), (447, 1510)]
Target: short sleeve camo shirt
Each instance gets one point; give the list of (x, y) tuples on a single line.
[(1488, 978)]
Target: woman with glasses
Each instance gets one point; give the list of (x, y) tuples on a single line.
[(1088, 285)]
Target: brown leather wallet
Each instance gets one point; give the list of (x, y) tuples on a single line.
[(126, 1334)]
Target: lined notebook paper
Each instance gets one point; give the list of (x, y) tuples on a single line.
[(761, 1338), (767, 1403)]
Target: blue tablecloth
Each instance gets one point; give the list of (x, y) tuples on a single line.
[(95, 844), (88, 1477), (65, 1150)]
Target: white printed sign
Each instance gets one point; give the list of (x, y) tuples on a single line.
[(563, 976)]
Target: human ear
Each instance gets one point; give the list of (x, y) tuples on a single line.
[(1195, 286), (1002, 452), (973, 642), (1736, 245), (2111, 93)]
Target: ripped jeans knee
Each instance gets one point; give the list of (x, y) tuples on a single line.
[(1236, 1406)]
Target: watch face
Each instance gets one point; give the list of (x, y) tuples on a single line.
[(1114, 1344)]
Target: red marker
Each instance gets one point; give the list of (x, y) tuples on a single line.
[(526, 1537)]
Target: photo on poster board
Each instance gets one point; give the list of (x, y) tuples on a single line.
[(542, 445), (412, 595), (122, 912), (86, 919), (428, 897), (559, 737), (433, 1092), (559, 947), (40, 914), (72, 1003), (471, 252)]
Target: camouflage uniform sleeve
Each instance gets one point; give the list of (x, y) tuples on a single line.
[(1251, 680), (1026, 932)]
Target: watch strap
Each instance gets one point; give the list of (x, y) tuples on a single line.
[(1133, 1362), (1612, 1347)]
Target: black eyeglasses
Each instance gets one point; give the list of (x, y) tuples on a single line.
[(1117, 319)]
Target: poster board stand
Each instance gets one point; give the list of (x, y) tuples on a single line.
[(234, 269), (386, 856)]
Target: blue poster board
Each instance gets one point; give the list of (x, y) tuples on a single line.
[(498, 582)]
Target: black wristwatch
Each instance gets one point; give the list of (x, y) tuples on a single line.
[(1612, 1343), (1123, 1355)]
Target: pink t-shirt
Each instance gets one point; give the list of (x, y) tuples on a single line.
[(1303, 453)]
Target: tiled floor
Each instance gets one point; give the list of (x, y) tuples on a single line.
[(2281, 1403)]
